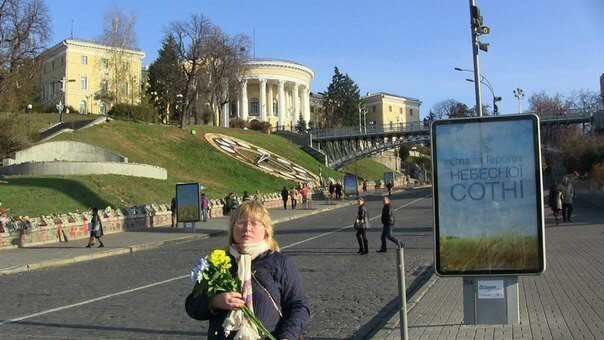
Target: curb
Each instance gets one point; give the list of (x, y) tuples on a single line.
[(103, 254)]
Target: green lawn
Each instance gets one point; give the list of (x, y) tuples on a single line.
[(187, 158)]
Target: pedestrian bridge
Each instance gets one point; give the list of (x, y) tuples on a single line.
[(342, 146)]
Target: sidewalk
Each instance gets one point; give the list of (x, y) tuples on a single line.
[(566, 302), (17, 260)]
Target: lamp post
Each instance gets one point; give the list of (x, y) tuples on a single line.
[(29, 107), (487, 83), (519, 94)]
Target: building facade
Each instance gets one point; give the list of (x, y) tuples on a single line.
[(388, 109), (275, 91), (82, 75)]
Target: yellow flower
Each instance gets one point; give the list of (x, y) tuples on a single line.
[(220, 260)]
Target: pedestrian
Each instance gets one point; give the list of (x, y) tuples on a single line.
[(304, 194), (173, 208), (361, 225), (555, 201), (284, 194), (258, 197), (338, 190), (389, 186), (293, 197), (364, 185), (568, 193), (272, 287), (96, 229), (226, 210), (388, 222), (205, 207), (332, 189), (246, 197)]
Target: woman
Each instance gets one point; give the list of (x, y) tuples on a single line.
[(293, 197), (276, 294), (96, 230), (555, 201), (361, 225)]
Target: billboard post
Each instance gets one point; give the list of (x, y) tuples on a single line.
[(488, 210), (351, 185), (188, 202)]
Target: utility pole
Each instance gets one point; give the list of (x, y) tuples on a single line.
[(478, 28)]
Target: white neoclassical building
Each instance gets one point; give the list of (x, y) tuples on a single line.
[(275, 91)]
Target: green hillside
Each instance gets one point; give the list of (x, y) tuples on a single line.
[(187, 158)]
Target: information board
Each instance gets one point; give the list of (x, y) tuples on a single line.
[(488, 208), (188, 202), (351, 185)]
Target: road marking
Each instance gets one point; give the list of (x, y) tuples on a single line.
[(58, 309)]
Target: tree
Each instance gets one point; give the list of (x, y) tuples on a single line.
[(341, 102), (210, 60), (118, 34), (542, 104), (450, 108), (586, 101), (166, 80), (24, 31), (301, 126)]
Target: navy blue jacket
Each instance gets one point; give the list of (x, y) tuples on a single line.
[(278, 274)]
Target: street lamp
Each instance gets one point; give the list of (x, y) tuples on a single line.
[(29, 107), (519, 94), (485, 81)]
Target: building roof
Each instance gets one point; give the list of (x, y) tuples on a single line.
[(91, 44), (383, 94)]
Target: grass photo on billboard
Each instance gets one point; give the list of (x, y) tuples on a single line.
[(188, 202), (488, 203)]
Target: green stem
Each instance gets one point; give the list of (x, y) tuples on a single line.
[(257, 322)]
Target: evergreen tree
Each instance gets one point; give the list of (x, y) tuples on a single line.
[(166, 80), (301, 126), (341, 102)]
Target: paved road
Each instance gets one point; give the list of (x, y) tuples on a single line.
[(141, 295)]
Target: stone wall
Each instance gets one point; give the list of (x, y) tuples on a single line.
[(84, 168), (64, 151)]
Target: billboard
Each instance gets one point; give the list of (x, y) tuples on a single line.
[(488, 209), (388, 177), (188, 202), (351, 186)]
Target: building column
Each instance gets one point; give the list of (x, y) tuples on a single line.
[(262, 100), (281, 112), (306, 104), (244, 104), (271, 113), (296, 113)]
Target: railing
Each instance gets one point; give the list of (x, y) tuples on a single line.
[(368, 130)]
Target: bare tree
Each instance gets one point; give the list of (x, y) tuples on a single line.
[(586, 101), (542, 104), (210, 60), (24, 32), (118, 33)]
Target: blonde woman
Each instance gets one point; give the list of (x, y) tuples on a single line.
[(271, 284)]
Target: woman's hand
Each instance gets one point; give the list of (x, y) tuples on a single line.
[(227, 301)]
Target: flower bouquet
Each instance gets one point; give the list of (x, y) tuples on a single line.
[(211, 275)]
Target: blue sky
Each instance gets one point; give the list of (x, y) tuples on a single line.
[(408, 48)]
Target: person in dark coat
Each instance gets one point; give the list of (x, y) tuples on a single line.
[(361, 225), (284, 195), (96, 230), (276, 295), (173, 211), (388, 222)]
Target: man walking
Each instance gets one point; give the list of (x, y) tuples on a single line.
[(205, 207), (173, 211), (388, 222), (568, 193)]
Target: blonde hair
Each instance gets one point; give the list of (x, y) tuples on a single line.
[(256, 211)]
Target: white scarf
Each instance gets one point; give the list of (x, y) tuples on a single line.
[(236, 320)]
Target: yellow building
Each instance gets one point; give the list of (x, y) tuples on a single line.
[(90, 77), (389, 109), (275, 91)]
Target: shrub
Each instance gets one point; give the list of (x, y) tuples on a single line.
[(134, 112), (238, 123)]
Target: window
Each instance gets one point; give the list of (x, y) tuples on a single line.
[(389, 108), (84, 60), (53, 65), (104, 64), (275, 106), (373, 108), (102, 108), (254, 107), (62, 60), (400, 110), (104, 87), (83, 82), (411, 112), (124, 89)]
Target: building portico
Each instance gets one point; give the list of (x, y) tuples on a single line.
[(275, 91)]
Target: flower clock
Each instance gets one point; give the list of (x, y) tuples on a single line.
[(259, 158)]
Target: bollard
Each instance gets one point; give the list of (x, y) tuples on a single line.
[(402, 292)]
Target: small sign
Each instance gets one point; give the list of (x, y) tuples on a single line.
[(492, 289)]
